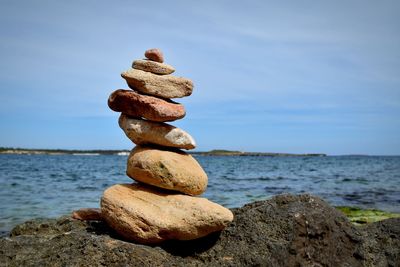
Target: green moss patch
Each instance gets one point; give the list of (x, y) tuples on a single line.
[(360, 216)]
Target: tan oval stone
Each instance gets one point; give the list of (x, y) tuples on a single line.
[(153, 67), (144, 214), (165, 86), (148, 107), (173, 170), (143, 132)]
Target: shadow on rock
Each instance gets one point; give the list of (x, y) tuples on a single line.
[(100, 228), (190, 247)]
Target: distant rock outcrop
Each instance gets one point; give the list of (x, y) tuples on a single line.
[(286, 230)]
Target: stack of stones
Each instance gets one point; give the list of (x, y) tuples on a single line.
[(162, 204)]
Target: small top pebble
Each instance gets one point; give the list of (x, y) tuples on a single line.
[(154, 54)]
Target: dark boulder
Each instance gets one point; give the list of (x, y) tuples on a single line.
[(286, 230)]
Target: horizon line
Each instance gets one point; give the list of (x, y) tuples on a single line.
[(188, 151)]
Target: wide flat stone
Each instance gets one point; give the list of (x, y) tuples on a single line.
[(153, 67), (147, 215), (173, 170), (142, 132), (165, 86), (148, 107)]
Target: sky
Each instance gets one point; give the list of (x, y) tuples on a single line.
[(269, 76)]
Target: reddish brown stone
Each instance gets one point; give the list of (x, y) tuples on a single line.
[(148, 107), (87, 214), (154, 54)]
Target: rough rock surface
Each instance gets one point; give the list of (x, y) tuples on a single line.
[(173, 170), (148, 107), (286, 230), (143, 132), (153, 67), (165, 86), (87, 214), (154, 54), (149, 215)]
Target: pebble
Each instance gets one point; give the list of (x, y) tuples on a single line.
[(87, 214), (154, 54)]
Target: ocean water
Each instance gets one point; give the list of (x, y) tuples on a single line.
[(33, 186)]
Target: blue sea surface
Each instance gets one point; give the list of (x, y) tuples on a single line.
[(33, 186)]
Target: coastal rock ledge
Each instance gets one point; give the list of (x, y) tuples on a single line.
[(286, 230)]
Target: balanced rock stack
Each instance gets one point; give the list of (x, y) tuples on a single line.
[(162, 204)]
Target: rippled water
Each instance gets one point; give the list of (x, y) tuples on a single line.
[(51, 185)]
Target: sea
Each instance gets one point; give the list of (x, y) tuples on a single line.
[(46, 186)]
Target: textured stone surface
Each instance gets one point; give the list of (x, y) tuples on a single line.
[(154, 54), (165, 86), (87, 214), (153, 67), (173, 170), (283, 231), (148, 107), (149, 215), (143, 132)]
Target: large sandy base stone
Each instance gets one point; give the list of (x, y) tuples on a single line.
[(144, 214)]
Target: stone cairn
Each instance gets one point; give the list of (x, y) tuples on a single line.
[(162, 204)]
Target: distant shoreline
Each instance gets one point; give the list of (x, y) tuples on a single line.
[(253, 154), (24, 151), (215, 152)]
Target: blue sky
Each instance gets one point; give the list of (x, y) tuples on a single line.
[(276, 76)]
